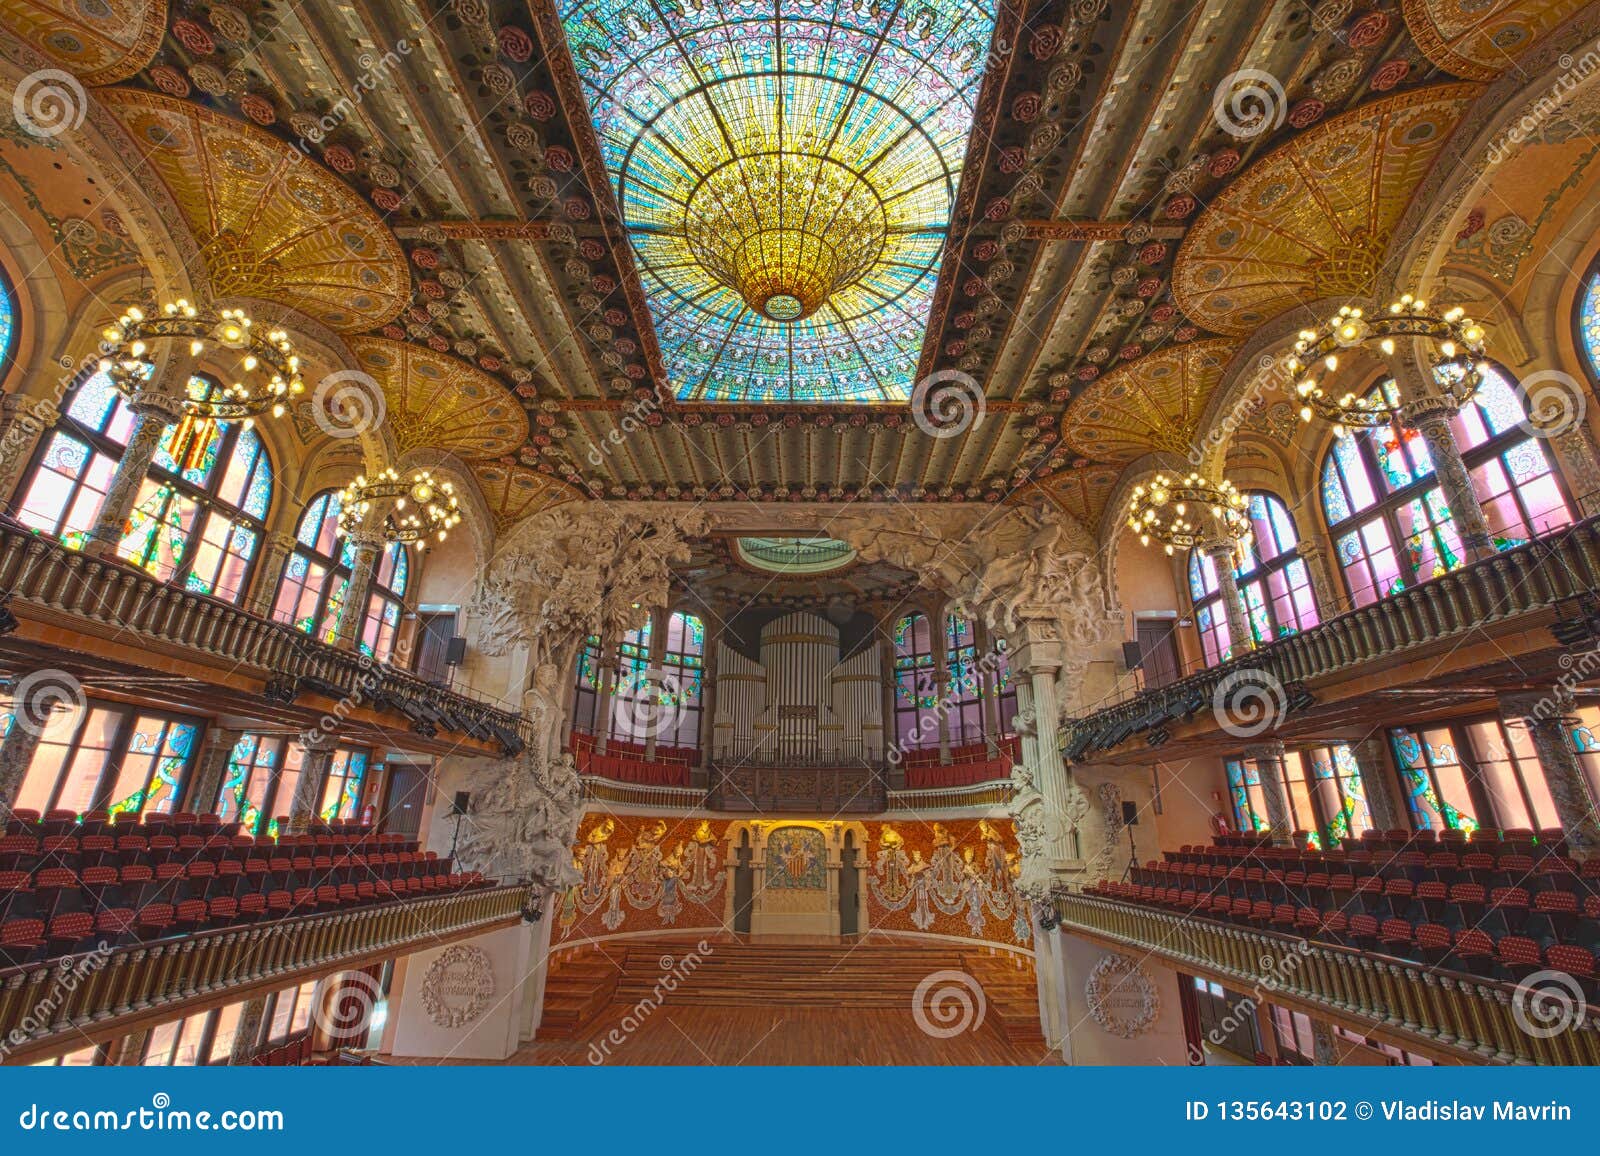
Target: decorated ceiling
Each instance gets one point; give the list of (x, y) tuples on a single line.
[(708, 251)]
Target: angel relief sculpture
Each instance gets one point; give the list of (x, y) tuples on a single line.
[(644, 877), (973, 881)]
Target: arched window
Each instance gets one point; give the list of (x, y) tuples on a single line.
[(316, 581), (8, 323), (1390, 524), (1274, 587), (965, 718), (197, 521), (631, 715), (1589, 320), (916, 690), (683, 668), (586, 703)]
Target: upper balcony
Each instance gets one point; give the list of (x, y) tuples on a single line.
[(1452, 643), (116, 629)]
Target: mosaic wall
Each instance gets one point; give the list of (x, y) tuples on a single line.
[(646, 873)]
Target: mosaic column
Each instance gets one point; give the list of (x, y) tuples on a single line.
[(23, 422), (1548, 719), (313, 781), (212, 769), (708, 694), (268, 573), (1268, 758), (16, 756), (353, 610), (1324, 586), (248, 1031), (1379, 784), (151, 415), (1240, 639), (1431, 418), (1579, 461)]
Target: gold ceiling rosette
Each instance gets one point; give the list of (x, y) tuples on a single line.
[(512, 493), (1153, 404), (1478, 40), (1315, 218), (99, 43), (272, 223), (436, 401)]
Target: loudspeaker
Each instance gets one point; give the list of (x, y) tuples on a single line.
[(1130, 815), (1132, 656), (455, 651), (463, 801)]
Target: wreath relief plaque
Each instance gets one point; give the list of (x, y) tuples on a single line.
[(1121, 996), (458, 986)]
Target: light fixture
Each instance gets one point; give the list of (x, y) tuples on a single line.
[(1456, 358), (268, 369), (1189, 511), (415, 508)]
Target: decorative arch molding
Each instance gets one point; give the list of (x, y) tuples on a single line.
[(42, 318), (1443, 192), (1113, 523)]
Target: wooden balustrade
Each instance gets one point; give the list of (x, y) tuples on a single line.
[(59, 1005), (1431, 1010), (46, 574), (1562, 566)]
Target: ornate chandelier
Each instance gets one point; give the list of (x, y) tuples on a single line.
[(268, 368), (1456, 358), (417, 508), (785, 230), (1188, 512)]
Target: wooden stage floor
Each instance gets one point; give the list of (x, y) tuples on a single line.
[(754, 1036)]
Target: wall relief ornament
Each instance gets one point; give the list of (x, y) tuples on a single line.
[(1122, 997), (524, 817), (458, 986), (1038, 829)]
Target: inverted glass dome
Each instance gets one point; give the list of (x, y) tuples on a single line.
[(794, 555)]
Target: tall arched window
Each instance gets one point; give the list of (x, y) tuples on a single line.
[(683, 668), (965, 718), (916, 690), (316, 581), (1588, 320), (8, 323), (1390, 524), (197, 521), (1274, 587)]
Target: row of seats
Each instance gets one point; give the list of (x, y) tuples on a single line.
[(25, 852), (1493, 953), (183, 825), (1524, 841)]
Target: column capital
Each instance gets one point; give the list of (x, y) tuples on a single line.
[(1536, 706), (1036, 647), (1272, 749)]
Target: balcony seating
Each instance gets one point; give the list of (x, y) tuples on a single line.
[(1501, 907), (62, 893)]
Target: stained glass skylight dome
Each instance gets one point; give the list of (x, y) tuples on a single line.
[(786, 171)]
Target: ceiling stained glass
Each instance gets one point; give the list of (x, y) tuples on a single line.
[(785, 171)]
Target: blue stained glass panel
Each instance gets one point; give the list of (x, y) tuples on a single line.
[(1589, 323)]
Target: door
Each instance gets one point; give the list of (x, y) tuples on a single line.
[(743, 886), (1159, 650), (402, 802), (434, 630), (849, 888)]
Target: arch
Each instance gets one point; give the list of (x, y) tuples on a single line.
[(1275, 590)]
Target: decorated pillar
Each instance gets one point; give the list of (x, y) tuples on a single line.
[(1548, 719), (1268, 758), (708, 692), (989, 684), (248, 1031), (1039, 658), (313, 781), (1431, 417), (1324, 584), (211, 769), (16, 756), (1240, 638), (268, 573), (610, 656), (152, 412), (23, 423), (1379, 784), (353, 610)]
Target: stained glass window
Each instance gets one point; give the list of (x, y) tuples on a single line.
[(195, 521), (1434, 778), (683, 676), (109, 757), (586, 702), (786, 172), (1274, 586), (316, 581), (1589, 321), (1392, 528), (8, 323), (916, 688), (341, 796)]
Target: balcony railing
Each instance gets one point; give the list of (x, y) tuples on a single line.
[(1562, 566), (59, 1005), (46, 574), (1427, 1009)]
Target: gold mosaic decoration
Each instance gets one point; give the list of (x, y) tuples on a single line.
[(435, 401), (1313, 219), (1478, 41), (99, 42), (1151, 404), (1084, 493), (271, 222), (512, 492)]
